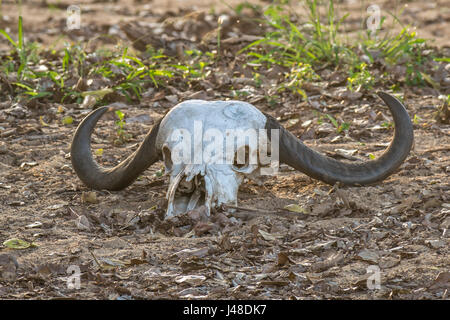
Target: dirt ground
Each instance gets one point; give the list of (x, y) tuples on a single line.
[(125, 250)]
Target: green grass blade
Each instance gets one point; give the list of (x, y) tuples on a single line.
[(20, 33), (6, 35)]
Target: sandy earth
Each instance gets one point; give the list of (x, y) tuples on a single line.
[(125, 250)]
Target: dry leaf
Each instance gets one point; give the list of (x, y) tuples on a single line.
[(89, 197), (268, 236), (15, 243), (295, 208), (369, 255), (36, 224), (190, 279), (196, 252), (442, 281), (282, 259)]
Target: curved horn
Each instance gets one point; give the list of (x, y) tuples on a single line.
[(297, 155), (122, 175)]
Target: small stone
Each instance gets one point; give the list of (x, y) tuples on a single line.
[(172, 99), (8, 267), (83, 223), (436, 244), (369, 255)]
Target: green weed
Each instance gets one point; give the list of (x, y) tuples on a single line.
[(288, 44), (344, 126), (121, 135), (298, 75), (318, 41), (360, 78), (19, 47)]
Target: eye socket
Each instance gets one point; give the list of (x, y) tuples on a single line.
[(167, 158), (241, 158)]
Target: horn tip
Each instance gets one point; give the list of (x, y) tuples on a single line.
[(383, 94)]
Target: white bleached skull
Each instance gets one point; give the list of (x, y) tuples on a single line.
[(208, 148), (204, 145)]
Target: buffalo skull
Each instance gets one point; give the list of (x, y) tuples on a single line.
[(209, 147)]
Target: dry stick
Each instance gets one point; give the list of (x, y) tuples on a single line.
[(74, 212), (247, 209), (96, 261), (364, 225), (446, 148), (256, 210)]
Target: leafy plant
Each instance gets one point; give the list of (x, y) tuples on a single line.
[(403, 48), (360, 78), (387, 125), (289, 44), (121, 135), (18, 46), (298, 75), (196, 67), (344, 126), (318, 42)]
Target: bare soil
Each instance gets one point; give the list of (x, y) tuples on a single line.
[(125, 250)]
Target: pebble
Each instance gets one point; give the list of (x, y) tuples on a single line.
[(8, 267)]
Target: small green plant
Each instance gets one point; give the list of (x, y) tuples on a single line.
[(403, 48), (273, 100), (99, 152), (344, 126), (121, 135), (289, 44), (196, 67), (319, 117), (159, 173), (298, 75), (257, 79), (32, 75), (19, 47), (130, 74), (240, 93), (319, 43), (387, 125), (360, 78), (67, 120)]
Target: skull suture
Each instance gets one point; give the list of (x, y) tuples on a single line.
[(207, 164)]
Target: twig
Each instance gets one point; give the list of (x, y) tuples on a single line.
[(96, 261), (447, 148), (247, 209), (276, 212)]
